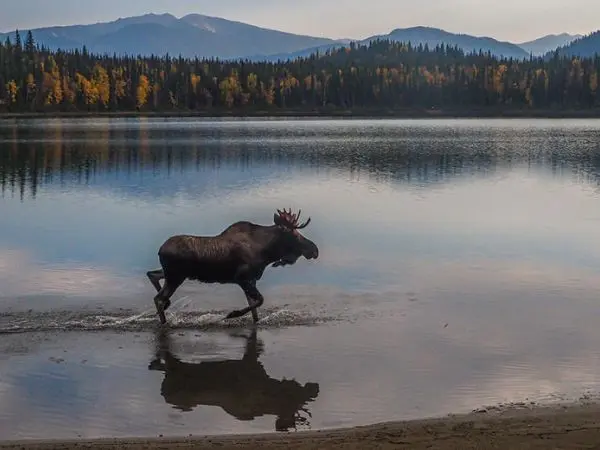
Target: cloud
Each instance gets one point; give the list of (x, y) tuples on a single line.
[(21, 275)]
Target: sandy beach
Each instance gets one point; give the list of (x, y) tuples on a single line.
[(564, 427)]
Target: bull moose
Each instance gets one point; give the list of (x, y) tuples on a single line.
[(239, 255)]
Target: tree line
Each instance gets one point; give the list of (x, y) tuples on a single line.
[(380, 75), (38, 157)]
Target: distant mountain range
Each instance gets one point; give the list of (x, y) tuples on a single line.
[(545, 44), (197, 35), (429, 36), (585, 46), (159, 34)]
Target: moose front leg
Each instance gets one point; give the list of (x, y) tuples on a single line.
[(254, 298)]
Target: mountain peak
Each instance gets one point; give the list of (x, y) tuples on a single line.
[(584, 46), (201, 21), (544, 44), (418, 29), (147, 18), (435, 36), (194, 35)]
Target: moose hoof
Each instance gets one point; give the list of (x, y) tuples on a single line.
[(160, 310), (233, 314)]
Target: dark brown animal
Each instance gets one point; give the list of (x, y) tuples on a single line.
[(239, 255)]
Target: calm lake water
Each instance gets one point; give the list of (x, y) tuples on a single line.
[(459, 267)]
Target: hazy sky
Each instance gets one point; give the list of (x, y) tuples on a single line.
[(514, 20)]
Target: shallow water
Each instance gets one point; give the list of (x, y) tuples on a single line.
[(458, 268)]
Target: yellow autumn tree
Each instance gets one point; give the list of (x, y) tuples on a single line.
[(101, 84), (57, 90), (252, 86), (47, 88), (308, 82), (119, 83), (51, 89), (230, 89), (268, 91), (252, 82), (88, 89), (498, 78), (142, 91), (31, 88), (528, 96), (194, 81), (286, 85), (13, 90), (68, 89), (155, 94), (576, 73)]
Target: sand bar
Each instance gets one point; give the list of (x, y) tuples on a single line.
[(562, 426)]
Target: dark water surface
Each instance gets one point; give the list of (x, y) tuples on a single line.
[(459, 266)]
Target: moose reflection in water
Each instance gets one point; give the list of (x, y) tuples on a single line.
[(241, 387)]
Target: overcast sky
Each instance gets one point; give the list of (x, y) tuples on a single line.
[(513, 20)]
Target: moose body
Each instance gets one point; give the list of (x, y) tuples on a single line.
[(238, 255)]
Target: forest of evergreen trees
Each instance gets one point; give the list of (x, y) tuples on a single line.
[(382, 75)]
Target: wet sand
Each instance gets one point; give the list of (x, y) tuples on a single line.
[(572, 426)]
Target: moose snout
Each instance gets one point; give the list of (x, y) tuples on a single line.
[(311, 252)]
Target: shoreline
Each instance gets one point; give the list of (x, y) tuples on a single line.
[(323, 113), (557, 426)]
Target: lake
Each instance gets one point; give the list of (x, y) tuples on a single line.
[(458, 268)]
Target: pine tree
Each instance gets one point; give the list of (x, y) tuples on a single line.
[(30, 44), (18, 40)]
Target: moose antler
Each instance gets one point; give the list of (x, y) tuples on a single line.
[(290, 220)]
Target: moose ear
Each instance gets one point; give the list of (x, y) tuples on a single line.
[(277, 219)]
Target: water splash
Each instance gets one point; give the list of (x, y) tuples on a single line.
[(24, 322)]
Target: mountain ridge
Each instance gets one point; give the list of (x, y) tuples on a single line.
[(585, 46), (469, 43), (191, 35), (200, 35), (426, 35), (549, 42)]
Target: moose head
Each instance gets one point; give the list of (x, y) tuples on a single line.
[(294, 243)]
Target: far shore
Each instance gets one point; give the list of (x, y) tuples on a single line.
[(563, 426), (408, 113)]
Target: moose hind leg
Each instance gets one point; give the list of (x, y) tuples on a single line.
[(155, 276), (254, 298), (253, 310), (162, 300)]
